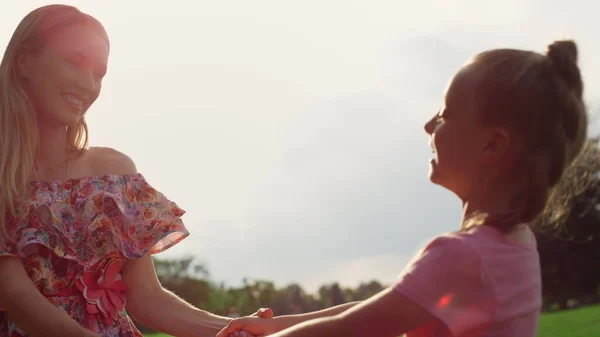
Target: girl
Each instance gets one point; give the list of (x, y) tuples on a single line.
[(511, 122), (79, 224)]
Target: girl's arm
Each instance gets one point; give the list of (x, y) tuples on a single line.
[(284, 322), (446, 285), (29, 309), (258, 327), (387, 314), (157, 308)]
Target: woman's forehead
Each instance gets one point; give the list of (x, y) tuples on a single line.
[(80, 39)]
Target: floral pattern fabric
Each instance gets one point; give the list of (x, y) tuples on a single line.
[(74, 236)]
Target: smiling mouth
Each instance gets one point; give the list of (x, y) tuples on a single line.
[(434, 156), (74, 101)]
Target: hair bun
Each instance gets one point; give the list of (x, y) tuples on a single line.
[(563, 57)]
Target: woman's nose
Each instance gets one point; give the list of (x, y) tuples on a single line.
[(87, 81)]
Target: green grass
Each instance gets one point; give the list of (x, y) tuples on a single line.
[(582, 322)]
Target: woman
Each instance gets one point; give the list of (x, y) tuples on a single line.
[(80, 224)]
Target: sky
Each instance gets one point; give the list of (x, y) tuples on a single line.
[(292, 132)]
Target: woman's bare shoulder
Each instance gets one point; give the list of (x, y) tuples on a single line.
[(106, 160)]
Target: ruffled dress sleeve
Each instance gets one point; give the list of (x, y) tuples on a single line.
[(150, 223), (90, 219)]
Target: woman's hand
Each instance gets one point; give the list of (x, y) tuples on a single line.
[(257, 324)]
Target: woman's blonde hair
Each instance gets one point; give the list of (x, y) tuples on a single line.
[(539, 99), (18, 127)]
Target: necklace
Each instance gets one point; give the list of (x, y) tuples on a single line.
[(66, 163), (63, 194)]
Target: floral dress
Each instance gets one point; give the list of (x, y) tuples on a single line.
[(73, 237)]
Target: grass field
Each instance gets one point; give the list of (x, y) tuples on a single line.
[(583, 322), (571, 323)]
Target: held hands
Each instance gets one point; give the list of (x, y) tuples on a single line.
[(258, 324)]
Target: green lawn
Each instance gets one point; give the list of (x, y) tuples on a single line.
[(572, 323)]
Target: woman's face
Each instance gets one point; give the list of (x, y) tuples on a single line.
[(65, 77)]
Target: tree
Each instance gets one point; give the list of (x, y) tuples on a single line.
[(331, 295), (569, 233), (176, 269), (185, 278), (366, 290)]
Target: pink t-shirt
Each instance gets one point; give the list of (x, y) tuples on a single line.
[(479, 283)]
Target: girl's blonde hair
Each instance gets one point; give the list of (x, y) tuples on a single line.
[(539, 99), (18, 127)]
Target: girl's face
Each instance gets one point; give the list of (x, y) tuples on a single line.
[(65, 77), (463, 148)]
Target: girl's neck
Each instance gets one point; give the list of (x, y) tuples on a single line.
[(491, 198)]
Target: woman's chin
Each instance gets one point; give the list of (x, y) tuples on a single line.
[(70, 121)]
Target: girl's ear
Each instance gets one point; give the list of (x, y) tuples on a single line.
[(496, 145)]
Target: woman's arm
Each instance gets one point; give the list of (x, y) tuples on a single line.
[(155, 307), (29, 309), (147, 301)]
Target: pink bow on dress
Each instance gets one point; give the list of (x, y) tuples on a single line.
[(103, 289)]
